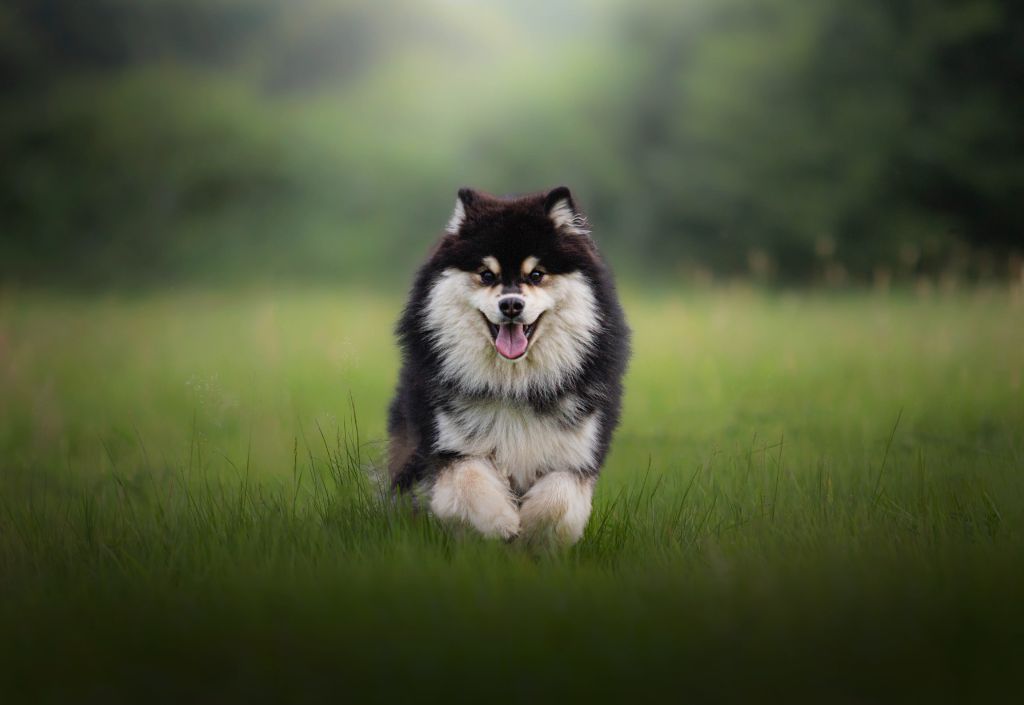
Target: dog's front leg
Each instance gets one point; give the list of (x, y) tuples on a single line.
[(556, 509), (471, 491)]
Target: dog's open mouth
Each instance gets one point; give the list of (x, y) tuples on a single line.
[(511, 339)]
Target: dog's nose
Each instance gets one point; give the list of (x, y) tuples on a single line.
[(511, 306)]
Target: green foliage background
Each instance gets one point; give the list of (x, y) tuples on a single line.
[(146, 142)]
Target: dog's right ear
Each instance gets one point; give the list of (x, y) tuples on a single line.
[(467, 197)]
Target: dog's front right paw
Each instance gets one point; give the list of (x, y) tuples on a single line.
[(471, 492), (504, 523)]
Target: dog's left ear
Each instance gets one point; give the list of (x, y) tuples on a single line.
[(559, 206)]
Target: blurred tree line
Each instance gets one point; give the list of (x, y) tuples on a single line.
[(155, 140)]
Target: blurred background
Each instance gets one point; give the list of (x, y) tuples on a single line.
[(814, 211), (236, 141)]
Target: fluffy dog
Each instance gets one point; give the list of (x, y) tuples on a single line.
[(513, 345)]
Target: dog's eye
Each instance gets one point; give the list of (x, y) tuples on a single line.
[(536, 276), (487, 277)]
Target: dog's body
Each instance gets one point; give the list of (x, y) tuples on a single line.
[(514, 346)]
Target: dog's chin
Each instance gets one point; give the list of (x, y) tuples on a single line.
[(512, 341)]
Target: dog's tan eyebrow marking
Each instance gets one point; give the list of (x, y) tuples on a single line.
[(492, 264), (529, 264)]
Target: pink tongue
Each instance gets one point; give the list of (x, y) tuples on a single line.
[(511, 341)]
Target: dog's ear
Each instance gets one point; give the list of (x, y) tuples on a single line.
[(463, 204), (559, 206)]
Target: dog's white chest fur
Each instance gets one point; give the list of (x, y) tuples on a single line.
[(522, 444)]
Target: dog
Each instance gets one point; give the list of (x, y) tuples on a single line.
[(514, 345)]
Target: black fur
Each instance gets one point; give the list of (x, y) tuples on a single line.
[(509, 229)]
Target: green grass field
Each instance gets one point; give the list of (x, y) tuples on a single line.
[(811, 497)]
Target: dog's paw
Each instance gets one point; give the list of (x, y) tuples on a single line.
[(501, 523), (471, 492), (556, 509)]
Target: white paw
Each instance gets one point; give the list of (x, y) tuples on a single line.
[(556, 509), (471, 492), (503, 523)]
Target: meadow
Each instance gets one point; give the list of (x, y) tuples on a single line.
[(813, 496)]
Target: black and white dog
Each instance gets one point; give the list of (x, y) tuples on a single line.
[(514, 346)]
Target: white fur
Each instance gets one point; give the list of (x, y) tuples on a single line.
[(470, 491), (568, 220), (455, 328), (457, 219), (557, 508), (522, 444)]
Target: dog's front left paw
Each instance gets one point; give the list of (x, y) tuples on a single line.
[(556, 509)]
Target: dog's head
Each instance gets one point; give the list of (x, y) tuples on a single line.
[(511, 300)]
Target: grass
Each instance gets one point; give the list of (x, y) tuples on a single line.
[(810, 498)]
